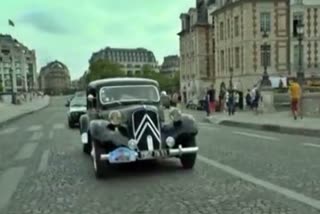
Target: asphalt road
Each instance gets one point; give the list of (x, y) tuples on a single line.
[(43, 170)]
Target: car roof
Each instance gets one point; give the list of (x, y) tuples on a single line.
[(122, 81)]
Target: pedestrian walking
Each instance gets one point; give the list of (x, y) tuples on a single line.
[(207, 104), (249, 100), (256, 101), (295, 94), (231, 102), (212, 95)]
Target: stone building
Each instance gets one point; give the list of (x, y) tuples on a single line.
[(170, 65), (54, 78), (249, 35), (18, 68), (130, 60), (196, 70), (309, 15)]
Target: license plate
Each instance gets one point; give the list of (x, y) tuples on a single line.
[(122, 155)]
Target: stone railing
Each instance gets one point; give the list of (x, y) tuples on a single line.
[(311, 104)]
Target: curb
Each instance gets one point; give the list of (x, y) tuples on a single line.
[(17, 117), (270, 128)]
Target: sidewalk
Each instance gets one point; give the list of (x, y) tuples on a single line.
[(9, 112), (281, 122)]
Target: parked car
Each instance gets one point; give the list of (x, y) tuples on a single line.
[(125, 123), (77, 107), (196, 105)]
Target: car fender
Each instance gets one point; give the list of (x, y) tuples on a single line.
[(100, 132), (187, 126)]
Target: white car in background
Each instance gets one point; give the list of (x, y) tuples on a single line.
[(77, 107)]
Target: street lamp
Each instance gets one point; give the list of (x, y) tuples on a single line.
[(231, 76), (300, 73), (265, 77)]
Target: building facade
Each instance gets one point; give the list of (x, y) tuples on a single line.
[(54, 78), (170, 66), (309, 15), (18, 68), (131, 61), (251, 36), (196, 70)]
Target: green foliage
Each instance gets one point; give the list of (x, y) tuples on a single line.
[(1, 88), (102, 69)]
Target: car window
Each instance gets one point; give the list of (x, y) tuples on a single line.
[(78, 103), (129, 93)]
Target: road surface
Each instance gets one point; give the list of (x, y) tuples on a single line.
[(43, 170)]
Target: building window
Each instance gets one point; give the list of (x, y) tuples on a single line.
[(237, 56), (222, 60), (297, 18), (265, 55), (221, 31), (265, 22), (228, 35), (236, 26)]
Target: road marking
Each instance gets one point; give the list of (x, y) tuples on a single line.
[(8, 130), (8, 184), (59, 126), (36, 136), (26, 151), (312, 145), (267, 185), (44, 161), (256, 136), (34, 128), (51, 134)]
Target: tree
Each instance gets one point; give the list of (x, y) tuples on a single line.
[(102, 69), (1, 88)]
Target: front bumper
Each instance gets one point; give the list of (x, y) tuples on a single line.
[(168, 153)]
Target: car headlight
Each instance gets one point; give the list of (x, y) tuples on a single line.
[(175, 115), (115, 117)]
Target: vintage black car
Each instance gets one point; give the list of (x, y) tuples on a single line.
[(125, 123)]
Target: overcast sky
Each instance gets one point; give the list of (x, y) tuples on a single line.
[(70, 31)]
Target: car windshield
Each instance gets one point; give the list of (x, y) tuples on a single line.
[(113, 94), (78, 102)]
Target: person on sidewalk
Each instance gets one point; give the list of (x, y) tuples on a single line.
[(249, 100), (256, 101), (212, 95), (295, 93), (231, 102)]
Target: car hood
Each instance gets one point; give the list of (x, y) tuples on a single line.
[(127, 111), (76, 109)]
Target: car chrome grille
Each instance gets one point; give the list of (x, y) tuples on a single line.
[(146, 130)]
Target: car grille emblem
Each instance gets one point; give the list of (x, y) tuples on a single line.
[(147, 131)]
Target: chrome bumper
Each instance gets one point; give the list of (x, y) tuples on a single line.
[(171, 153)]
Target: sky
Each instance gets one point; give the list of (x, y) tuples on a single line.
[(70, 31)]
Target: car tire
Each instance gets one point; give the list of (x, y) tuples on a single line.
[(188, 160), (71, 125), (99, 166), (87, 148)]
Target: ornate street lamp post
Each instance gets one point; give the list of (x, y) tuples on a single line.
[(231, 77), (265, 77), (300, 73)]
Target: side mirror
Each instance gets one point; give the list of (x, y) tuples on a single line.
[(67, 104), (91, 98)]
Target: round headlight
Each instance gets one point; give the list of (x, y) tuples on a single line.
[(175, 115), (115, 117), (170, 142), (132, 144)]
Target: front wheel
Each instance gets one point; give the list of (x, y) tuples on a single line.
[(188, 160), (99, 165), (70, 123)]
